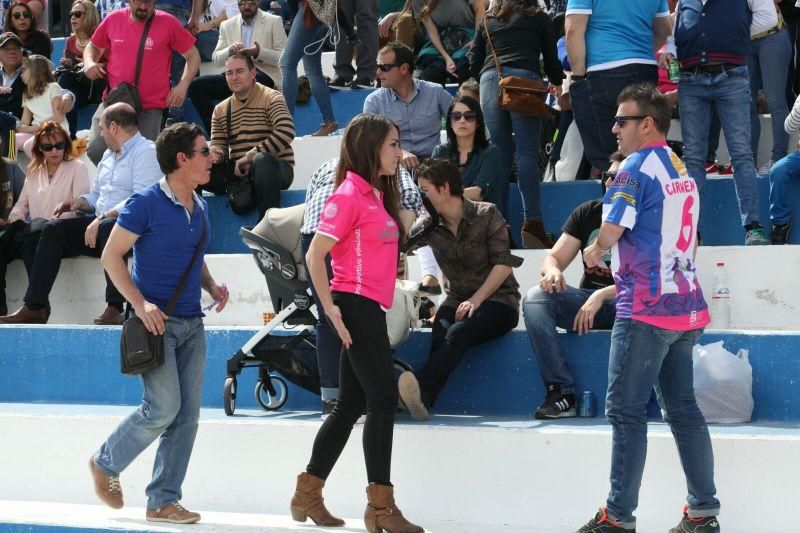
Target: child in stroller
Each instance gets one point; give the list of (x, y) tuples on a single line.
[(287, 344)]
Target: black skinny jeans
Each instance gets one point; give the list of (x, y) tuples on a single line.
[(451, 338), (366, 377)]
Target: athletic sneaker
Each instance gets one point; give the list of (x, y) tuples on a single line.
[(556, 405), (707, 524), (780, 233), (756, 236), (601, 523), (725, 170)]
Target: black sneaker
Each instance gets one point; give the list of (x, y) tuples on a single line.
[(360, 83), (780, 233), (556, 405), (338, 81), (707, 524), (601, 523), (327, 408)]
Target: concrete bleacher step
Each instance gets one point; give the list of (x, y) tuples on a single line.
[(455, 474), (763, 284)]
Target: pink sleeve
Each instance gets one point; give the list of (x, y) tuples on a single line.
[(181, 38), (80, 180), (20, 210), (100, 35), (338, 216)]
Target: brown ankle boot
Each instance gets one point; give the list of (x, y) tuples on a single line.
[(534, 236), (307, 502), (382, 515)]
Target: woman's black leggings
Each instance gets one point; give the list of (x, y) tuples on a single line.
[(366, 378)]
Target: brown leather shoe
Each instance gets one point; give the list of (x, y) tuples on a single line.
[(326, 129), (23, 315), (534, 236), (106, 487), (173, 513), (382, 515), (110, 317), (307, 502)]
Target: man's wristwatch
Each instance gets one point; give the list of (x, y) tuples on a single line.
[(101, 216), (577, 77)]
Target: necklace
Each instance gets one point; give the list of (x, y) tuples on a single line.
[(81, 44)]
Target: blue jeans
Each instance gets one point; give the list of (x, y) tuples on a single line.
[(526, 132), (544, 312), (176, 114), (206, 43), (729, 92), (767, 64), (329, 346), (643, 357), (594, 104), (170, 410), (299, 39), (784, 170)]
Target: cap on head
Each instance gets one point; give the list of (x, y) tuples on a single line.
[(9, 37)]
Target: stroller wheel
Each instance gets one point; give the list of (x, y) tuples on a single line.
[(269, 401), (229, 396)]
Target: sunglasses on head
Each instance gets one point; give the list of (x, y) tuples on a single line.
[(21, 15), (469, 116), (620, 120), (60, 145), (247, 2), (386, 67), (76, 14)]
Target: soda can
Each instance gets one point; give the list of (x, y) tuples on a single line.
[(587, 404), (674, 71)]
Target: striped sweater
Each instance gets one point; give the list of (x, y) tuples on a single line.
[(260, 123)]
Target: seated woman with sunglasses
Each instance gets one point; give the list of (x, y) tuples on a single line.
[(472, 246), (53, 177), (478, 160), (21, 20)]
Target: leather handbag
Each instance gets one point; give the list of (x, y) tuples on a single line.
[(521, 95), (140, 350), (129, 92), (240, 190)]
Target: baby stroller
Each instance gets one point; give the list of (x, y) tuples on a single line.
[(285, 348)]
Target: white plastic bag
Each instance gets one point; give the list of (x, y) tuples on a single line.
[(404, 314), (571, 155), (723, 383)]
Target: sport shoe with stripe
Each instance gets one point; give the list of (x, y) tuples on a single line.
[(556, 405), (601, 523), (174, 513), (706, 524)]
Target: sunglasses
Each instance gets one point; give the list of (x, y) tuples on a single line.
[(247, 2), (203, 151), (76, 14), (605, 176), (21, 15), (620, 120), (60, 145), (386, 67), (469, 116)]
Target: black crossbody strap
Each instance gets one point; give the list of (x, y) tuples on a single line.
[(228, 133), (182, 282), (141, 50)]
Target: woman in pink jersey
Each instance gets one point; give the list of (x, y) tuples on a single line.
[(360, 228)]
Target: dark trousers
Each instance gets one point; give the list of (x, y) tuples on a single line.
[(329, 347), (594, 104), (16, 242), (365, 15), (86, 92), (60, 239), (270, 175), (451, 338), (366, 377), (206, 91)]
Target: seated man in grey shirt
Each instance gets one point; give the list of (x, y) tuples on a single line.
[(416, 106)]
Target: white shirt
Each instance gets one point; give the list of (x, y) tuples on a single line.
[(765, 16)]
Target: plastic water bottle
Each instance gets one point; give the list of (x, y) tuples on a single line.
[(721, 299)]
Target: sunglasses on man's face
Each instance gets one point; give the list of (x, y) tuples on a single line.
[(60, 145), (21, 15), (76, 14), (620, 120), (386, 67), (469, 116)]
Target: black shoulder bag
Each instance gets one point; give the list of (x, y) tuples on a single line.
[(129, 92), (140, 350), (239, 189)]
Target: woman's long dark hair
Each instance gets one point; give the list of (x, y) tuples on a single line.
[(481, 141), (8, 26), (360, 153)]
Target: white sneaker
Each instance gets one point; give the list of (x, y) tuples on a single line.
[(766, 168)]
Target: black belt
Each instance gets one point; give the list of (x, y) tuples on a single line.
[(711, 69)]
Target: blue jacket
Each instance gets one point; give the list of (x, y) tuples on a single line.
[(717, 32)]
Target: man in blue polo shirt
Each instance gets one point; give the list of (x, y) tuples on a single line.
[(164, 224), (611, 44)]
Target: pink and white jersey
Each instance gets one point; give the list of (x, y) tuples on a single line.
[(364, 258), (654, 272)]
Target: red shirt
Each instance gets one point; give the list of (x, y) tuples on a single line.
[(364, 258), (121, 35)]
